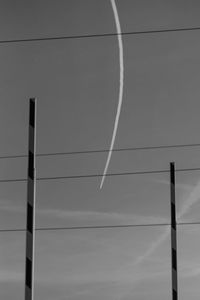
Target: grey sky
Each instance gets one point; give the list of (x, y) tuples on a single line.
[(76, 83)]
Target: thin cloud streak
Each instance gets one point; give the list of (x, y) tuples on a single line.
[(8, 276), (192, 199), (100, 216), (153, 247), (121, 87)]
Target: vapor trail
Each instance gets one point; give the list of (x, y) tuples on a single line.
[(192, 199), (152, 247), (121, 86)]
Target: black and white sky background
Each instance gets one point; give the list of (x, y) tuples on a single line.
[(76, 82)]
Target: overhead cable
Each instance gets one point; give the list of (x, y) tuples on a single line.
[(100, 35), (104, 150), (99, 175), (99, 227)]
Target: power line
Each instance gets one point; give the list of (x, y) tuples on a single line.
[(100, 175), (83, 227), (84, 176), (99, 35), (99, 227), (104, 150)]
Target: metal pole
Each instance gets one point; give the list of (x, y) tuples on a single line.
[(30, 223), (173, 233)]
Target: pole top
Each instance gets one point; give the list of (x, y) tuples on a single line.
[(33, 99)]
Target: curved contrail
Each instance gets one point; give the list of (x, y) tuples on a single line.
[(121, 86)]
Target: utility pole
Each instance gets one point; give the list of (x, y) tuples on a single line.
[(173, 233), (31, 185)]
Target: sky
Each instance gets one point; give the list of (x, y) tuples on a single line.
[(76, 82)]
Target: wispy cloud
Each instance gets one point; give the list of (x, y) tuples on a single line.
[(7, 276), (191, 200), (121, 87), (152, 247), (96, 216), (182, 186), (191, 271), (9, 206)]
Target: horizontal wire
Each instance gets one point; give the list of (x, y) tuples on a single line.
[(99, 35), (100, 175), (83, 176), (85, 227), (99, 227), (105, 150)]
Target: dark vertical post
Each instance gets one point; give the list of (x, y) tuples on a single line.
[(30, 223), (173, 234)]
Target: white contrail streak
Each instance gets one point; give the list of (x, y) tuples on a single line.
[(192, 199), (121, 86), (152, 247)]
